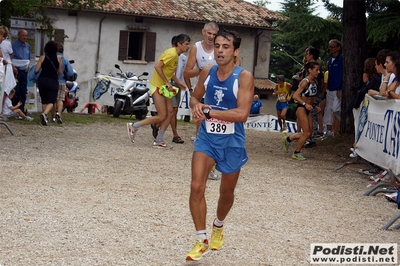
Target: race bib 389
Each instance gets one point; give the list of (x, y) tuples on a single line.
[(215, 126)]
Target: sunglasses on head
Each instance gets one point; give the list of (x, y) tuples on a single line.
[(332, 46)]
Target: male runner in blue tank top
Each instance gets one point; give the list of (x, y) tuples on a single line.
[(228, 92)]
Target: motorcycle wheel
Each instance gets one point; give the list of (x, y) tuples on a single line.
[(117, 109), (140, 115), (70, 110)]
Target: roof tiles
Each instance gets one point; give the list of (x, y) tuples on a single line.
[(231, 12)]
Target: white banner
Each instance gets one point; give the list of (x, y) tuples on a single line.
[(377, 132), (268, 123), (103, 88)]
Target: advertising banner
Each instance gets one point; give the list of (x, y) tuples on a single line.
[(103, 89), (377, 130)]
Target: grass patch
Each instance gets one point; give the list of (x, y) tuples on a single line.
[(85, 119)]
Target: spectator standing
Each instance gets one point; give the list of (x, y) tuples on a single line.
[(221, 137), (333, 96), (256, 106), (164, 72), (322, 105), (3, 63), (51, 66), (282, 91), (67, 71), (372, 83), (8, 82), (22, 55)]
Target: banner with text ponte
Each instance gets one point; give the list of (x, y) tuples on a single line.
[(377, 130)]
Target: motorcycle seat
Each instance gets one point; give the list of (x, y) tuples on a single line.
[(71, 85)]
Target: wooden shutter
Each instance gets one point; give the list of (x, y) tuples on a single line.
[(123, 45), (150, 47), (59, 35)]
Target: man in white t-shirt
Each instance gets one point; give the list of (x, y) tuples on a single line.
[(200, 55)]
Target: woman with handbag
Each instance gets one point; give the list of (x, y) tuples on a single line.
[(51, 66)]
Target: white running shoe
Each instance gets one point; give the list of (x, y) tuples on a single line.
[(353, 153), (161, 145), (131, 131), (213, 175)]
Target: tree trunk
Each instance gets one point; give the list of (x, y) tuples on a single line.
[(354, 54)]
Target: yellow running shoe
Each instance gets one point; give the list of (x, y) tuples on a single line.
[(298, 156), (217, 238), (199, 249), (285, 143)]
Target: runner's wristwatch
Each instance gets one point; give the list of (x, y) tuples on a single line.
[(206, 112)]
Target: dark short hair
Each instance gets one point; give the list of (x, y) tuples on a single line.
[(50, 47), (181, 38), (230, 35), (173, 41)]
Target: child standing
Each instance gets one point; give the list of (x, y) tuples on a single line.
[(10, 111)]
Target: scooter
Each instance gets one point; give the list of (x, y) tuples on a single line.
[(132, 96), (71, 100)]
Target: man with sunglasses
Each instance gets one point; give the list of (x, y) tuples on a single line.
[(333, 96)]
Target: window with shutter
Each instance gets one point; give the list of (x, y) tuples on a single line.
[(41, 39), (150, 46), (136, 46)]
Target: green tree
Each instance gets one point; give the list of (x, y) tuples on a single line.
[(362, 38), (36, 9), (383, 23), (262, 3), (299, 30)]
